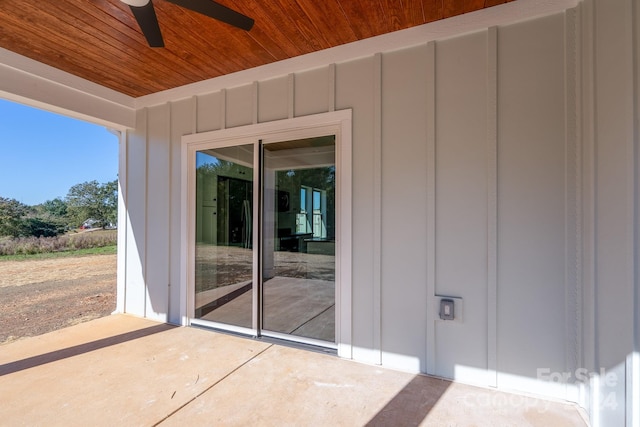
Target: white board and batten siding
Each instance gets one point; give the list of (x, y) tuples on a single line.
[(474, 176), (389, 95)]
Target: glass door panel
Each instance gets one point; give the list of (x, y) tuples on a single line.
[(224, 235), (298, 249)]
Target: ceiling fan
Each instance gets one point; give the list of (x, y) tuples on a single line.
[(145, 14)]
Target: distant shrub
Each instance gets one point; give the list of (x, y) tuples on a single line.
[(39, 227), (67, 242), (93, 239)]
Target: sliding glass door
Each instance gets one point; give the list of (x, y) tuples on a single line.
[(224, 247), (298, 251), (265, 233)]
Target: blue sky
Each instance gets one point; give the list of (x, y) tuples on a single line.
[(43, 154)]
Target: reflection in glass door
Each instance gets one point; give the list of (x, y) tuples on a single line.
[(299, 230), (273, 273), (224, 252)]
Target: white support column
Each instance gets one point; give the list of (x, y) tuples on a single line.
[(121, 280)]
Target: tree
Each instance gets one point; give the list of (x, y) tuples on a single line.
[(12, 213), (56, 208), (92, 200), (40, 227), (50, 218)]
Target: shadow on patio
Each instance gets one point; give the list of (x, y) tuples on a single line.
[(122, 370), (76, 350)]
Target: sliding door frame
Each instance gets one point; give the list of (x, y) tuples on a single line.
[(336, 123)]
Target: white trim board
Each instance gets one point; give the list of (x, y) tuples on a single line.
[(338, 123), (39, 85)]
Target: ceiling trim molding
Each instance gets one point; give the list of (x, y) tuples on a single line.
[(42, 86), (508, 13)]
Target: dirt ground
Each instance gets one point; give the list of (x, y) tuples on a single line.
[(41, 296)]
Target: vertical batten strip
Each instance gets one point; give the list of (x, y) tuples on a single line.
[(223, 109), (170, 193), (572, 220), (492, 206), (146, 210), (631, 224), (579, 185), (254, 103), (377, 207), (127, 302), (194, 114), (431, 206), (291, 81), (635, 362), (332, 88), (588, 113), (185, 254)]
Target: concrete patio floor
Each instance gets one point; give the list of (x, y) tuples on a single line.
[(121, 370)]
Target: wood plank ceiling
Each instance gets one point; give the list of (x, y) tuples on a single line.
[(99, 40)]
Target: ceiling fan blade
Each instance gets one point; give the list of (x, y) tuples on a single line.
[(217, 11), (148, 22)]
